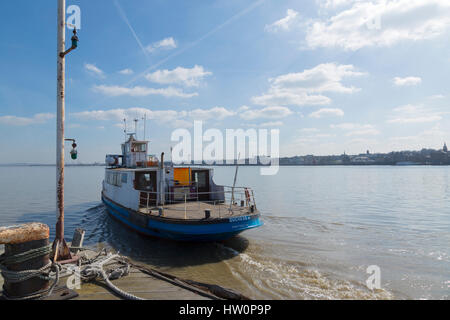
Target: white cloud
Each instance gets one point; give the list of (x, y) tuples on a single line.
[(166, 44), (126, 72), (272, 124), (325, 77), (283, 24), (181, 123), (422, 119), (363, 132), (244, 108), (131, 113), (39, 118), (217, 113), (306, 88), (115, 91), (172, 118), (380, 23), (309, 130), (332, 4), (184, 76), (266, 113), (327, 112), (351, 126), (92, 69), (410, 114), (356, 129), (433, 137), (284, 98), (407, 81)]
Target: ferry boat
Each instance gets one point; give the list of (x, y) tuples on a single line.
[(180, 203)]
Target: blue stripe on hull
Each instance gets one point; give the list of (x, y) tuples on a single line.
[(184, 232)]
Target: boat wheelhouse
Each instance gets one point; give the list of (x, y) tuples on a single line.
[(174, 202)]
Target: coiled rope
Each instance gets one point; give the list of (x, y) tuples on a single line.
[(94, 270)]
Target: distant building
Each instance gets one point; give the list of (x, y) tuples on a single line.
[(445, 149), (361, 160)]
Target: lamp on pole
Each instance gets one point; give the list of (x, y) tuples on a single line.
[(60, 247)]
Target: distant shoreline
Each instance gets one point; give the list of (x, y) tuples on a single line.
[(248, 165)]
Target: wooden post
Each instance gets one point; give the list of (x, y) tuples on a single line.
[(78, 239)]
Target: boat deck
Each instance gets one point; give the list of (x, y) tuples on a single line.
[(196, 211)]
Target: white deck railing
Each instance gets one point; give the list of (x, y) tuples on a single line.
[(226, 202)]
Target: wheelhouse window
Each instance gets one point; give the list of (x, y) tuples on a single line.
[(139, 147)]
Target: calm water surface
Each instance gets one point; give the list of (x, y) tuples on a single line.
[(323, 227)]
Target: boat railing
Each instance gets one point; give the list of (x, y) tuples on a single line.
[(228, 201)]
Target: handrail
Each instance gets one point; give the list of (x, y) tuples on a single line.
[(246, 197), (202, 193)]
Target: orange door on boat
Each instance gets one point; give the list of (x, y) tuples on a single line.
[(182, 176)]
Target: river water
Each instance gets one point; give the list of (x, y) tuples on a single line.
[(324, 226)]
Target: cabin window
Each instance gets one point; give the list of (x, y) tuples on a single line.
[(114, 179), (117, 180), (124, 178)]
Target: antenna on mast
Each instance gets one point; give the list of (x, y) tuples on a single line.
[(145, 125), (135, 126), (125, 128)]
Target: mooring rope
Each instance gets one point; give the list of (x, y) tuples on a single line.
[(21, 276), (25, 256), (95, 270), (43, 273)]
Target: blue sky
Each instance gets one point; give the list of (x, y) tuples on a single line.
[(332, 75)]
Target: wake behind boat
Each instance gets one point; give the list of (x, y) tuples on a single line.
[(178, 203)]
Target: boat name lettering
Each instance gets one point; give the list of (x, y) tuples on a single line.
[(239, 219)]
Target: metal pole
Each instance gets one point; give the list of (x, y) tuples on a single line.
[(145, 126), (234, 183), (185, 208), (63, 252), (234, 186)]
